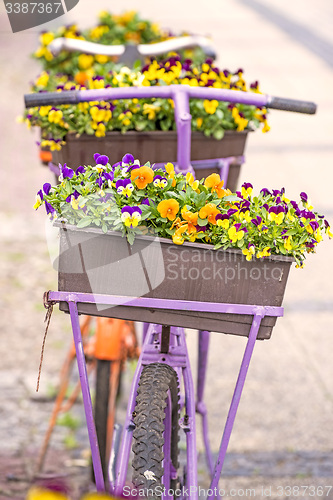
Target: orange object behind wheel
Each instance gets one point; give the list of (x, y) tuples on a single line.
[(114, 338)]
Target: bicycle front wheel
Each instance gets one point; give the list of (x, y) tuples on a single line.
[(156, 419)]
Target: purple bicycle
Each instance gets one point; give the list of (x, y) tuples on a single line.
[(157, 409)]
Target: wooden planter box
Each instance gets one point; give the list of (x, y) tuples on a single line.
[(156, 147), (93, 262)]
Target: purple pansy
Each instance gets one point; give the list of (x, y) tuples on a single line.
[(131, 210), (100, 182), (101, 159), (314, 224), (76, 194), (307, 215), (109, 176), (231, 212), (160, 181), (66, 171), (46, 188), (124, 187), (304, 197), (80, 170), (49, 209), (311, 244), (201, 228), (277, 209), (127, 159), (222, 217), (257, 221)]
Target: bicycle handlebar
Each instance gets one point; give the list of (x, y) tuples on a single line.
[(169, 91), (284, 104), (152, 49)]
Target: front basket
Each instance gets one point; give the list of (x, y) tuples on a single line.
[(93, 262)]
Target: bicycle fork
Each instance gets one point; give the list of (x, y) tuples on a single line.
[(163, 344)]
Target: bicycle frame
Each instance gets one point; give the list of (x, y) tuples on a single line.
[(180, 94), (177, 357)]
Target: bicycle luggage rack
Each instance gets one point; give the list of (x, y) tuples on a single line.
[(258, 312)]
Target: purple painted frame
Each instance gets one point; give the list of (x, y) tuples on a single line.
[(180, 94), (177, 357)]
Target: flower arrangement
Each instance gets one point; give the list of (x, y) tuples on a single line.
[(211, 117), (138, 199)]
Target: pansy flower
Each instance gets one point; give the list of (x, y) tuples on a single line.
[(108, 176), (236, 233), (124, 187), (178, 237), (80, 170), (65, 172), (287, 243), (142, 176), (265, 192), (55, 116), (232, 211), (209, 212), (126, 169), (170, 169), (131, 216), (168, 208), (101, 159), (223, 221), (160, 181), (276, 214), (50, 210), (257, 221), (191, 218), (265, 252), (127, 159), (190, 180), (328, 229), (249, 252), (210, 106), (214, 182), (39, 199), (246, 189)]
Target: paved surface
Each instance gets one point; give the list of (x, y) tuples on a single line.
[(284, 428)]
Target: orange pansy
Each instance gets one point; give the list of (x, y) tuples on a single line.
[(142, 176), (214, 182), (209, 212), (168, 208)]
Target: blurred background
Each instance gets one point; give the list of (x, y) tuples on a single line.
[(283, 431)]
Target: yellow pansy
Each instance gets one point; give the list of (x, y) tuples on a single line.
[(43, 79), (85, 61), (210, 106)]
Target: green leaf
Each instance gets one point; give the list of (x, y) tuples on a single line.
[(202, 222), (231, 197), (291, 232), (86, 221), (130, 238), (218, 134)]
